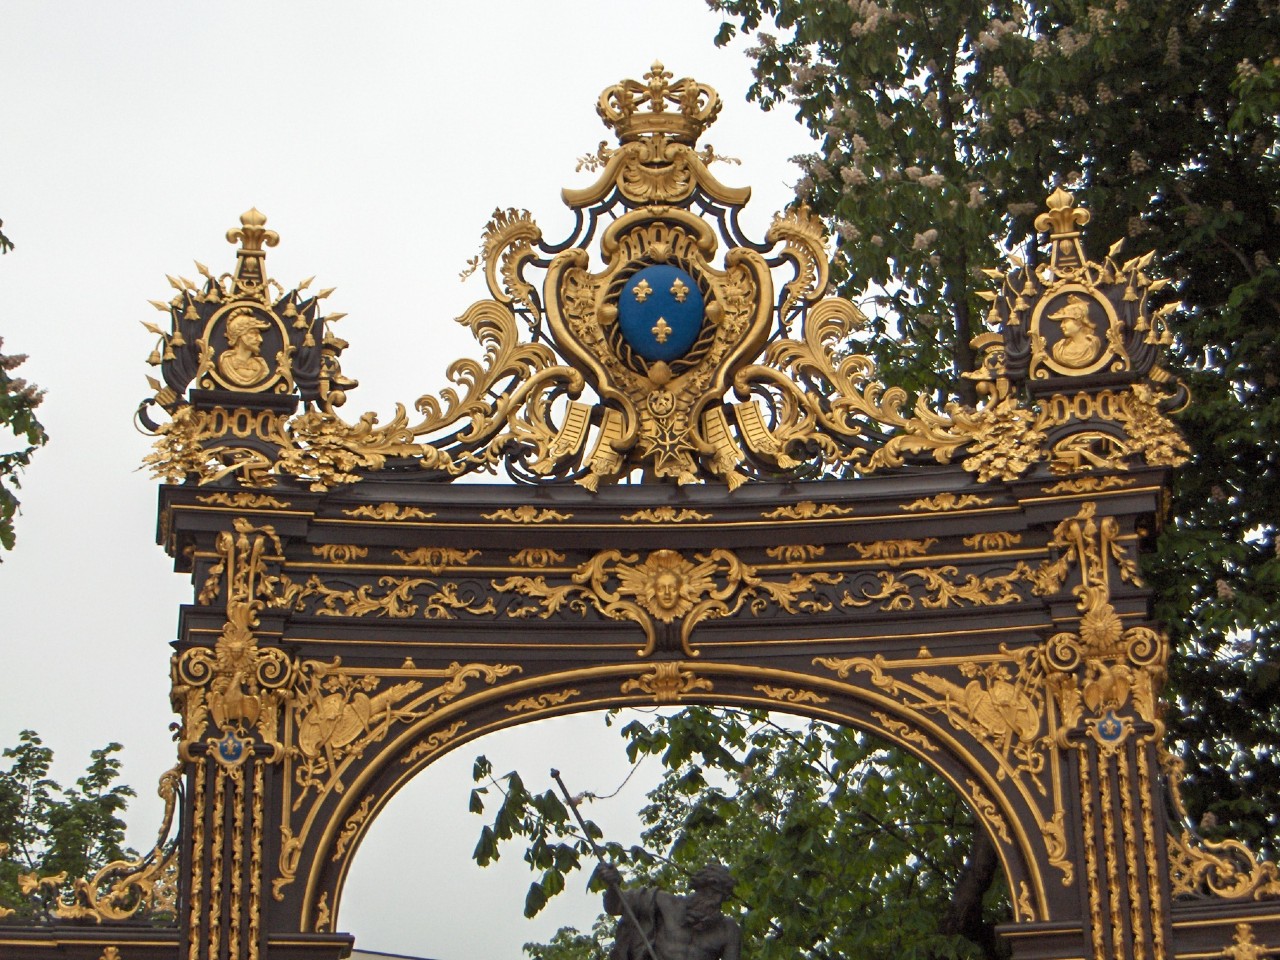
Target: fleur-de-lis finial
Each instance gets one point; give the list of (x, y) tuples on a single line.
[(252, 235), (1064, 218)]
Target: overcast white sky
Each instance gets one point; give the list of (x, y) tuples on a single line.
[(377, 138)]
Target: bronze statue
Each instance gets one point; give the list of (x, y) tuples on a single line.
[(657, 925)]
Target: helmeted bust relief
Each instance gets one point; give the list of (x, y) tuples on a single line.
[(1079, 344), (243, 364)]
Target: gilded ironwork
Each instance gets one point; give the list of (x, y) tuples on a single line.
[(807, 510), (436, 559), (340, 553), (542, 701), (665, 590), (665, 514), (790, 694), (988, 615), (527, 514), (388, 511), (684, 359), (946, 501), (667, 683)]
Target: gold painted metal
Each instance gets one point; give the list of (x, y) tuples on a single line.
[(388, 511), (790, 694), (992, 542), (664, 589), (433, 742), (1090, 484), (245, 499), (946, 501), (582, 400), (668, 682), (941, 588), (436, 559), (807, 510), (795, 552), (664, 514), (400, 601), (893, 552), (527, 514), (537, 557), (340, 553), (542, 701), (124, 888)]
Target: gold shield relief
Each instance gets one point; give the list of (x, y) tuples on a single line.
[(1073, 332), (661, 402)]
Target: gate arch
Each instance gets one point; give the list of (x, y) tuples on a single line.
[(399, 760), (714, 500)]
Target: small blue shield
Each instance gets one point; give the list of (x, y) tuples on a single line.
[(660, 312)]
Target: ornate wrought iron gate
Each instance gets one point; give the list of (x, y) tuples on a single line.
[(962, 582)]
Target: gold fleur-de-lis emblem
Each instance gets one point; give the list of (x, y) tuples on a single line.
[(679, 290), (661, 330), (641, 291)]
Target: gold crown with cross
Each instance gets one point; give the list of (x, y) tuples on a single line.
[(680, 111)]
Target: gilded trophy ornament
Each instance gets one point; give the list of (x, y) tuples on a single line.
[(664, 346)]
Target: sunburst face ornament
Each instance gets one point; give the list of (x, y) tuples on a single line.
[(666, 585)]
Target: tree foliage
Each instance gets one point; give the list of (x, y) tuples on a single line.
[(940, 125), (18, 401), (50, 831), (819, 825)]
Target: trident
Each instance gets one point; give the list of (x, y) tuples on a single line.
[(626, 907)]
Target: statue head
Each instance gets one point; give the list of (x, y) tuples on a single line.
[(713, 878), (244, 326), (1075, 313)]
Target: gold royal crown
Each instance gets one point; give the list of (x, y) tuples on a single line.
[(697, 106)]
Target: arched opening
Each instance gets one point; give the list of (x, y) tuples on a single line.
[(825, 802)]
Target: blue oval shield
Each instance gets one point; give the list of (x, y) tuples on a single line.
[(660, 312)]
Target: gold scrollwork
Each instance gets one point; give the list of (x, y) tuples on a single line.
[(436, 559), (946, 501), (125, 888), (991, 542), (790, 694), (986, 808), (244, 499), (433, 741), (238, 685), (1055, 845), (536, 557), (904, 731), (400, 601), (351, 827), (1226, 869), (941, 588), (1090, 484), (1024, 909), (387, 511), (665, 514), (807, 510), (795, 552), (667, 588), (526, 513), (542, 701), (340, 553), (667, 683), (893, 551)]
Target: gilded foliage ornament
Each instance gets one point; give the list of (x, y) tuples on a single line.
[(682, 359), (667, 591)]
